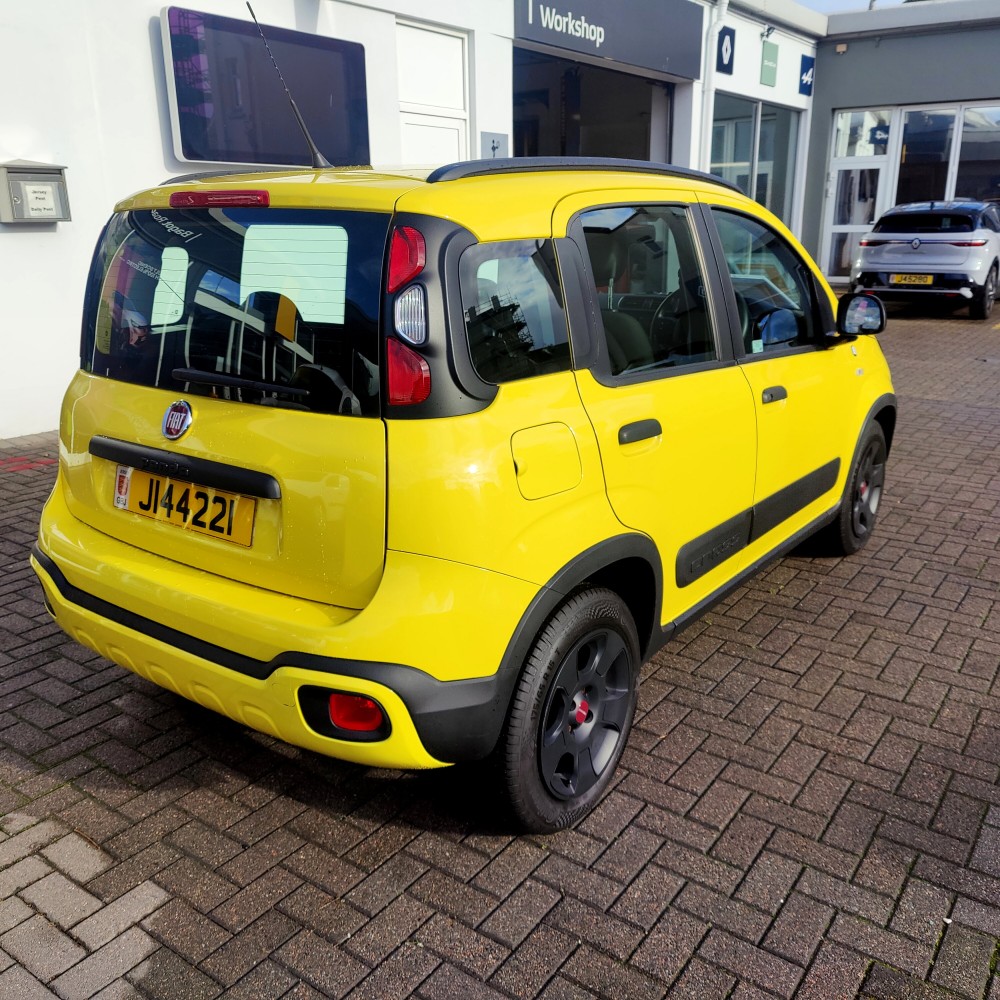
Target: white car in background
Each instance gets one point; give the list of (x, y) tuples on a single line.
[(946, 249)]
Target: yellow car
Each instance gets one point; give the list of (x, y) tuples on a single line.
[(416, 468)]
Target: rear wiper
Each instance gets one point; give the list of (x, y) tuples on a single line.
[(200, 377)]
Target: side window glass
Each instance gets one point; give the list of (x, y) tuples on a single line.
[(513, 309), (773, 291), (650, 287)]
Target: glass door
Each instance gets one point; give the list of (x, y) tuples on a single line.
[(856, 195)]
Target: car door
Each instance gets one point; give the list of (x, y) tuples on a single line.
[(805, 384), (672, 412)]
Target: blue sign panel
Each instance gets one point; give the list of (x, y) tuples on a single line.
[(725, 52), (807, 73), (878, 135)]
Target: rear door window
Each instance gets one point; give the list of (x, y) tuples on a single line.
[(261, 306)]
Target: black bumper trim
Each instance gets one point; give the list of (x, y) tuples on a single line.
[(455, 720)]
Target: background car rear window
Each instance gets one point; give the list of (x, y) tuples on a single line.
[(513, 310), (925, 222)]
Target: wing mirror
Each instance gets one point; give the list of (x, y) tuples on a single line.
[(861, 312)]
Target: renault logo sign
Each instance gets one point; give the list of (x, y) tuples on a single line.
[(915, 244), (726, 51)]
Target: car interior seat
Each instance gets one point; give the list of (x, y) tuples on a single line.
[(628, 341)]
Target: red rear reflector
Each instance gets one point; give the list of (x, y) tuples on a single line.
[(355, 712), (220, 199), (407, 256), (409, 375)]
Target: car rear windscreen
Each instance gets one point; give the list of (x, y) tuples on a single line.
[(267, 306), (926, 222)]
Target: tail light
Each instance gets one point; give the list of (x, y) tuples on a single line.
[(220, 199), (407, 256), (968, 243), (871, 243), (410, 315), (355, 713), (409, 375)]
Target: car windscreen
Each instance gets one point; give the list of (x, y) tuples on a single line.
[(274, 307), (926, 222)]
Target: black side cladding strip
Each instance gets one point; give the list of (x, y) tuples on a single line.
[(187, 468), (715, 546), (780, 506)]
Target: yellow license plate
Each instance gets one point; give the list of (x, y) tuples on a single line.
[(911, 279), (201, 509)]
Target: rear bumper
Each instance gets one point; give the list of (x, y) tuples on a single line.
[(156, 619), (954, 283)]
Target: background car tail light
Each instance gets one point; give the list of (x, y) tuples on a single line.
[(355, 712), (220, 199), (410, 315), (407, 256), (409, 375)]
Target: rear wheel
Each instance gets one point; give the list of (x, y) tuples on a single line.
[(572, 711), (982, 302), (859, 507)]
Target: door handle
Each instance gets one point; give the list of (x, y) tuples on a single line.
[(639, 430), (773, 393)]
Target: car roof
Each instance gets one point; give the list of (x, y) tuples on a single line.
[(968, 205), (483, 195)]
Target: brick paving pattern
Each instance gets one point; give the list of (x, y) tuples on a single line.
[(809, 806)]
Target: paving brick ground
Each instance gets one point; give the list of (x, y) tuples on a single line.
[(809, 806)]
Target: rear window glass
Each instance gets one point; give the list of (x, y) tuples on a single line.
[(275, 307), (926, 222), (514, 310)]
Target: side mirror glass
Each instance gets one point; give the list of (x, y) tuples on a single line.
[(778, 327), (860, 313)]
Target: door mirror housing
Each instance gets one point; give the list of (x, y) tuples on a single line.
[(859, 313)]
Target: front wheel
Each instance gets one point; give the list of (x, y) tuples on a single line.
[(859, 507), (982, 304), (572, 711)]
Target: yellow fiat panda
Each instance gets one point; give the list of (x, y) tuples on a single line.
[(417, 468)]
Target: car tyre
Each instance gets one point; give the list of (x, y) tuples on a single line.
[(982, 303), (572, 711), (862, 498)]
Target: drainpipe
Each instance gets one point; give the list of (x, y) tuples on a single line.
[(708, 83)]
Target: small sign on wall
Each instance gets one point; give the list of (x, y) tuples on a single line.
[(807, 73), (492, 145), (725, 53), (769, 64)]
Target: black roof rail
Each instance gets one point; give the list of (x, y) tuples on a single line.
[(529, 164)]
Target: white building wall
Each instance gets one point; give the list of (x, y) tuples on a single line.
[(82, 85)]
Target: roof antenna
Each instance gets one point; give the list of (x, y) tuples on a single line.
[(319, 161)]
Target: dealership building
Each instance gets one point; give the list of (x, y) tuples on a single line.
[(825, 120)]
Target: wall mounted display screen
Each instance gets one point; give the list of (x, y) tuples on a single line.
[(227, 103)]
